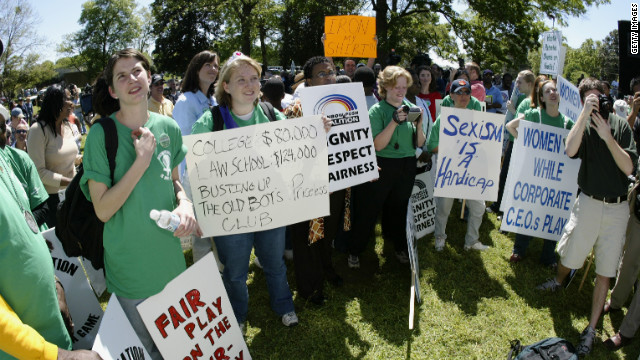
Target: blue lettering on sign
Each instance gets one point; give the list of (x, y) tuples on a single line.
[(447, 177), (569, 94), (481, 130), (545, 196), (552, 227), (546, 169), (518, 218), (543, 140)]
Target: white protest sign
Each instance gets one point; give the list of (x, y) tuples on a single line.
[(83, 305), (570, 102), (423, 203), (469, 154), (116, 338), (543, 183), (551, 53), (352, 157), (259, 177), (192, 317)]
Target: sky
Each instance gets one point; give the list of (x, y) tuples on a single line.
[(60, 18)]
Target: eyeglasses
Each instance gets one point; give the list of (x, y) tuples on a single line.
[(323, 74), (21, 131)]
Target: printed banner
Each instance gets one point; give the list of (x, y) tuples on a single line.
[(352, 157), (259, 177), (350, 36), (542, 183), (192, 317), (116, 338), (552, 60), (83, 305), (469, 154), (423, 203), (570, 102)]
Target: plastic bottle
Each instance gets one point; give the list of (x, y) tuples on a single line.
[(165, 219)]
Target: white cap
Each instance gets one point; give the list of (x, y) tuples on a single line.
[(154, 214)]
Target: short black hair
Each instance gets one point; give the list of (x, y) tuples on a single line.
[(635, 81), (342, 79), (273, 90), (308, 66), (365, 75)]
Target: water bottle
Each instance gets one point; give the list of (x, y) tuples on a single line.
[(165, 219)]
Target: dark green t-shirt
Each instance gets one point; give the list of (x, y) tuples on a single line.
[(539, 115), (599, 175), (474, 104), (380, 115), (205, 123)]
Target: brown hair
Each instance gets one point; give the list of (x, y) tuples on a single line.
[(222, 97), (389, 78), (540, 92), (590, 84), (191, 81), (535, 102)]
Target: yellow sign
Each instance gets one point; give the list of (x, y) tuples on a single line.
[(350, 36)]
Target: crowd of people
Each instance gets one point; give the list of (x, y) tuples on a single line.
[(39, 156)]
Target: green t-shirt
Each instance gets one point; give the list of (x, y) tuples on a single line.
[(380, 115), (28, 283), (26, 172), (140, 258), (474, 104), (205, 123), (434, 135), (539, 115), (523, 103)]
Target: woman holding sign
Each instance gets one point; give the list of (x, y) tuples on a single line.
[(548, 114), (237, 93), (140, 258), (461, 95), (395, 138)]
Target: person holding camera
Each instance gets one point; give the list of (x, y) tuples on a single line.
[(461, 96), (396, 136), (604, 143)]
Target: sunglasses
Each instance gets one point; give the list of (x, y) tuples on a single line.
[(463, 92), (21, 131)]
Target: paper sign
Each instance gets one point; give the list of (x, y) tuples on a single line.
[(83, 305), (352, 156), (423, 203), (259, 177), (542, 183), (192, 317), (412, 246), (550, 62), (350, 36), (116, 338), (469, 154), (570, 102)]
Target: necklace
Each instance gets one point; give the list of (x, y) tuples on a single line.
[(5, 169)]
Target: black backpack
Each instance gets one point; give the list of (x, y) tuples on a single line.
[(79, 229), (547, 349), (218, 122)]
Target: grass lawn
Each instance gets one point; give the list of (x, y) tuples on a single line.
[(473, 304)]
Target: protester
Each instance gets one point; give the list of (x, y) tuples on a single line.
[(77, 108), (140, 258), (350, 67), (461, 96), (367, 77), (21, 136), (630, 323), (312, 240), (273, 92), (506, 84), (428, 89), (237, 93), (395, 141), (196, 98), (600, 213), (52, 146), (474, 104), (494, 97), (544, 111), (17, 117), (157, 102), (477, 88)]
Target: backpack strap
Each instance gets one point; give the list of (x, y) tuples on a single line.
[(218, 122), (268, 110), (516, 347), (110, 143)]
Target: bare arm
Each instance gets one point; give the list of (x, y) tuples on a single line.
[(512, 126), (635, 106), (188, 223), (421, 136), (107, 201), (574, 139)]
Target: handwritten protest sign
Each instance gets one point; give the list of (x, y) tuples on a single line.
[(469, 154), (83, 305), (352, 157), (570, 102), (552, 60), (259, 177), (192, 317), (423, 204), (116, 338), (350, 36), (542, 183)]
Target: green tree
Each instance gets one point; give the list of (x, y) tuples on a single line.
[(609, 55), (108, 26)]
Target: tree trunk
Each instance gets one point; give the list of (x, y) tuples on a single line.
[(263, 47), (381, 31), (245, 31)]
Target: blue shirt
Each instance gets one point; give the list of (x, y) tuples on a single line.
[(496, 95)]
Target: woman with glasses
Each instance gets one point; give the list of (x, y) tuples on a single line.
[(52, 146), (461, 96)]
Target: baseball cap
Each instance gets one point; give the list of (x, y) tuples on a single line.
[(487, 72), (460, 84), (156, 78), (17, 112)]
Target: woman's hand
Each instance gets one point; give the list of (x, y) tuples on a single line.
[(401, 115), (511, 107), (327, 123), (78, 160), (188, 222), (145, 144)]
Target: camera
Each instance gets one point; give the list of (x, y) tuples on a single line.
[(413, 113), (604, 105)]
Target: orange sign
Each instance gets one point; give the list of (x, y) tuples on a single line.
[(350, 36)]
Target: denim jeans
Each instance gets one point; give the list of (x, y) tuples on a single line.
[(476, 211), (129, 306), (234, 252)]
